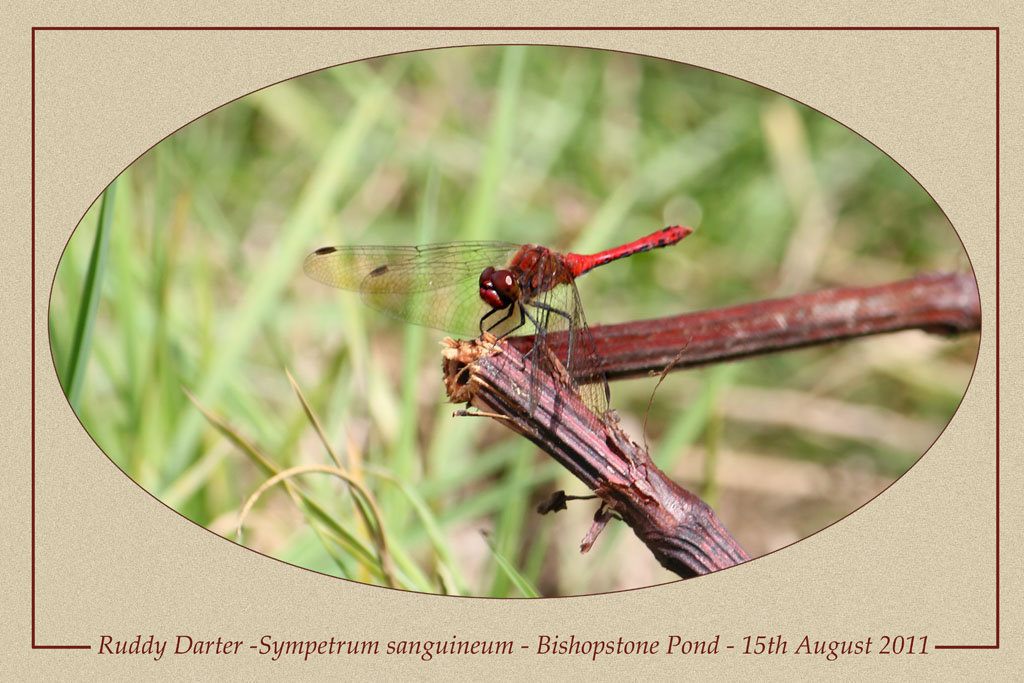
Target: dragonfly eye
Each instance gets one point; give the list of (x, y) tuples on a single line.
[(499, 288)]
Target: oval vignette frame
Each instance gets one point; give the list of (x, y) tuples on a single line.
[(498, 47)]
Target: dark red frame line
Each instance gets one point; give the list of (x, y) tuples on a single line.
[(516, 28), (995, 29), (998, 630), (994, 646), (35, 645)]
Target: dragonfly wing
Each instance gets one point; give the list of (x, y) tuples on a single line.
[(584, 364), (433, 285), (456, 308), (560, 313)]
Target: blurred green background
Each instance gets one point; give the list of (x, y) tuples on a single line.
[(186, 277)]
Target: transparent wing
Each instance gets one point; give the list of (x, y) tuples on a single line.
[(562, 326), (436, 285)]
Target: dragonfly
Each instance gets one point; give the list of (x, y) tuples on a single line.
[(468, 288)]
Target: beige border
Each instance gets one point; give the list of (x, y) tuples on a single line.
[(113, 560)]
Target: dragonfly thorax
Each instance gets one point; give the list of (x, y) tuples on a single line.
[(498, 288)]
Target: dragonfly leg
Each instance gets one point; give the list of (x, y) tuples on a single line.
[(551, 309), (503, 319), (511, 312)]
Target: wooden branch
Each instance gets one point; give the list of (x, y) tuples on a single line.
[(945, 303), (682, 531)]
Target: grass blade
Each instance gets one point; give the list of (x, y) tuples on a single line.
[(517, 579), (78, 357)]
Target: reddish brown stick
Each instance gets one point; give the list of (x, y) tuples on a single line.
[(941, 303), (682, 531)]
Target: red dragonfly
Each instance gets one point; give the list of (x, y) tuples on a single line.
[(468, 288)]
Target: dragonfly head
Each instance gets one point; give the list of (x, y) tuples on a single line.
[(499, 288)]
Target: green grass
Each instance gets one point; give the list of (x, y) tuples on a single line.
[(81, 343), (187, 284)]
